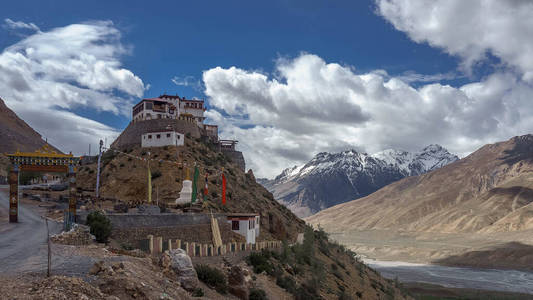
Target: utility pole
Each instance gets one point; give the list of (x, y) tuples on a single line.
[(98, 171), (49, 252)]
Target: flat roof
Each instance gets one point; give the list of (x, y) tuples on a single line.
[(237, 215)]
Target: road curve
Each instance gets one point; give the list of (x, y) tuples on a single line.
[(23, 245)]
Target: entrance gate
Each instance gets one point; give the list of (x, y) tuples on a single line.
[(42, 160)]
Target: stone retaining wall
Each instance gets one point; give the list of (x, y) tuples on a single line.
[(237, 158), (131, 136), (199, 233)]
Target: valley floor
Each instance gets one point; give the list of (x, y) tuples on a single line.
[(509, 250)]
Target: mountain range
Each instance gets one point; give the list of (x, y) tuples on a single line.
[(333, 178), (489, 191)]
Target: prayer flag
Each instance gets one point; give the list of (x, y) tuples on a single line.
[(194, 182), (223, 189)]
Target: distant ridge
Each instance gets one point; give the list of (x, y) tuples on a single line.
[(15, 134), (333, 178), (489, 191)]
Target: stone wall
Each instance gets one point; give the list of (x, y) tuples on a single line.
[(131, 136), (237, 158), (125, 221), (199, 233)]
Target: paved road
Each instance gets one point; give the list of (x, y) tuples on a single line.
[(23, 245)]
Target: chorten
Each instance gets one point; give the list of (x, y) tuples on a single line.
[(186, 192)]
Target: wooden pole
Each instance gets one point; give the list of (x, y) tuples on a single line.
[(49, 252)]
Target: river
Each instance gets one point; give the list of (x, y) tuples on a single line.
[(454, 277)]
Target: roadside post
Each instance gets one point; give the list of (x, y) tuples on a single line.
[(14, 194)]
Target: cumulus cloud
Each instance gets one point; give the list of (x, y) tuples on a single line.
[(469, 29), (312, 106), (47, 76)]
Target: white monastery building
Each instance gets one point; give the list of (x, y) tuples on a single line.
[(162, 138), (246, 225), (169, 107)]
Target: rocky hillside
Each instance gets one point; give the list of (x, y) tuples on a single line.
[(333, 178), (491, 190), (15, 134), (124, 179)]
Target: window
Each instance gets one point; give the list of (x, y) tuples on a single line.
[(158, 136), (251, 224), (234, 225), (149, 105), (168, 135), (179, 136), (149, 136)]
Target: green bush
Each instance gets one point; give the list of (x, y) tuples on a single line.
[(260, 261), (213, 277), (257, 294), (100, 226), (156, 174), (198, 292), (287, 283)]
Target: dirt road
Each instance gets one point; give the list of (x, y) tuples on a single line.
[(23, 245)]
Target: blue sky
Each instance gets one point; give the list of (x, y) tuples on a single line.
[(181, 40)]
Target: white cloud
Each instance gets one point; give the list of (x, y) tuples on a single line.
[(312, 106), (187, 81), (469, 29), (48, 75), (20, 25)]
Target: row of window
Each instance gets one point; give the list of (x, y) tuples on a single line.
[(158, 136), (235, 224)]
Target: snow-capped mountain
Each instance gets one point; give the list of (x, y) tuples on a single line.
[(333, 178)]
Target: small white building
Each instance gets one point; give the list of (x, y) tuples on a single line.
[(246, 225), (162, 138), (195, 107)]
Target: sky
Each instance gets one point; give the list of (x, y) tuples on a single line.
[(288, 79)]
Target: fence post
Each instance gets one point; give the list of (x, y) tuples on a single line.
[(151, 243), (159, 244)]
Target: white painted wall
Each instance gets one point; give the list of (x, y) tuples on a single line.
[(244, 230), (175, 139)]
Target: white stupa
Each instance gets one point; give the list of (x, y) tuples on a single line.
[(186, 193)]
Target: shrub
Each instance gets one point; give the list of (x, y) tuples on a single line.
[(212, 277), (156, 174), (198, 292), (100, 226), (260, 261), (287, 283), (257, 294)]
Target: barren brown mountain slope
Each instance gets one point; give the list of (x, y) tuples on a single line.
[(125, 178), (491, 190), (15, 134)]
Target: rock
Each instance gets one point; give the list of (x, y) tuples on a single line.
[(238, 285), (240, 292), (181, 264), (236, 276), (78, 235)]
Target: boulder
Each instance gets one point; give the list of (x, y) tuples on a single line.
[(181, 264), (238, 285)]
